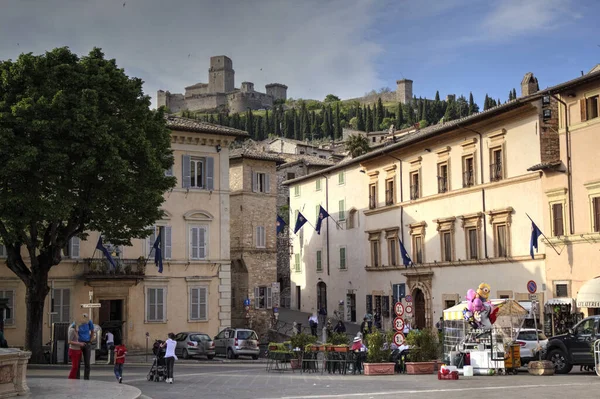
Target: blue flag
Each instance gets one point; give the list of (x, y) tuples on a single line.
[(280, 224), (406, 261), (103, 249), (158, 254), (533, 243), (299, 222), (322, 215)]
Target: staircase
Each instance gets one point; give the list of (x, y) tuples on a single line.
[(287, 317)]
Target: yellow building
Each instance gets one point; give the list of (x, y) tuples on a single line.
[(194, 291)]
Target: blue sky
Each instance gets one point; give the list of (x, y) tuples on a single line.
[(316, 47)]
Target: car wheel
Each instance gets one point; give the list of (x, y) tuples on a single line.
[(210, 357), (560, 362), (230, 354), (185, 354), (254, 357)]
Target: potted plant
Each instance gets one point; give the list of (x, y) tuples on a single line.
[(423, 353), (378, 355), (299, 344), (339, 342)]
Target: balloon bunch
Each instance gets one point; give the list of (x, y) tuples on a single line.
[(480, 313)]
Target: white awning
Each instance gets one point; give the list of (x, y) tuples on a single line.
[(589, 294), (561, 301)]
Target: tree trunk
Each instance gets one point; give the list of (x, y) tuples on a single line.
[(35, 298)]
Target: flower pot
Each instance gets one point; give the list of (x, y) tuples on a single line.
[(296, 363), (341, 348), (421, 367), (378, 368)]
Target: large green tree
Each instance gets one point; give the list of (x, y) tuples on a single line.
[(80, 151), (357, 144)]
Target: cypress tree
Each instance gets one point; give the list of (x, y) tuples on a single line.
[(399, 116), (305, 123), (514, 94), (380, 112), (267, 125), (451, 111), (250, 124), (369, 120), (486, 102), (338, 122), (409, 113), (296, 120), (329, 122), (424, 112), (360, 121)]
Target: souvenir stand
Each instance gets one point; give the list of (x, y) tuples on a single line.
[(487, 349)]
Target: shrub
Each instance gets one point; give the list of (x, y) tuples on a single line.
[(376, 352), (424, 346), (338, 339), (301, 340)]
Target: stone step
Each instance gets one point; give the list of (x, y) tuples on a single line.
[(49, 388)]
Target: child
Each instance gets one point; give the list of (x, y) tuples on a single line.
[(120, 352)]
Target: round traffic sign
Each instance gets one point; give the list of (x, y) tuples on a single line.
[(398, 324), (399, 309), (531, 286), (409, 309), (408, 298), (399, 339)]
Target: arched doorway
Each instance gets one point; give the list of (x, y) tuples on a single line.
[(321, 295), (419, 301)]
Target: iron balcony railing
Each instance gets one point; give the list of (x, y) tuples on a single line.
[(101, 267), (389, 197), (414, 192), (468, 178), (442, 184), (496, 171)]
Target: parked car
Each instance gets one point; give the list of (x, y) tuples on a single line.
[(528, 340), (190, 344), (233, 342), (575, 347)]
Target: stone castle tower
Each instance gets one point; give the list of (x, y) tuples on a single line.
[(221, 75), (404, 90)]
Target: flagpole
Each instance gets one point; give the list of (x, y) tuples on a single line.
[(543, 235)]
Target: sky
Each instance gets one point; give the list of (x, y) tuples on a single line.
[(317, 47)]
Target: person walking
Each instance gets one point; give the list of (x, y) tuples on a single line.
[(86, 334), (170, 356), (313, 322), (120, 352), (440, 325), (74, 352), (364, 327), (340, 327), (110, 345)]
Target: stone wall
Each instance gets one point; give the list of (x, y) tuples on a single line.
[(277, 91), (196, 89), (549, 137), (241, 101)]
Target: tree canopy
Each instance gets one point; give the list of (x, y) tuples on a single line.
[(357, 144), (80, 151)]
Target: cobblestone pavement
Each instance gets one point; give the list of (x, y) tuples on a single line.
[(251, 381)]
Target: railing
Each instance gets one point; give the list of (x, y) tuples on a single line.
[(414, 192), (372, 202), (442, 184), (100, 267), (496, 171), (389, 197), (468, 178)]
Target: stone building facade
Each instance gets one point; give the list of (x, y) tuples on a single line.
[(253, 238), (220, 94)]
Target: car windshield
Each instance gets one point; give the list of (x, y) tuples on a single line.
[(246, 334), (199, 337), (530, 336)]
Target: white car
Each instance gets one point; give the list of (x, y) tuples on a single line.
[(529, 344)]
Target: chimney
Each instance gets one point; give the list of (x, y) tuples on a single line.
[(529, 85)]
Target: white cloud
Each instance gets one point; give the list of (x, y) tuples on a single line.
[(314, 47)]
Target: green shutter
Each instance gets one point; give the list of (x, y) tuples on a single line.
[(342, 258), (342, 211), (319, 263)]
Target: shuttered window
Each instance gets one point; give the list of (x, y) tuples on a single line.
[(319, 261), (62, 305), (198, 172), (557, 220), (596, 215), (198, 242), (165, 241), (261, 239), (343, 258), (155, 304), (199, 303), (261, 183), (263, 297), (9, 315)]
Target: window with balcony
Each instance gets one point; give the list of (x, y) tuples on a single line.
[(501, 220), (468, 171), (557, 220), (496, 165), (472, 243), (443, 177), (446, 232), (415, 185), (375, 245), (372, 195), (471, 224), (389, 192), (501, 239), (417, 244)]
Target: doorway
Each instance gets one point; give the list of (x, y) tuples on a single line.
[(351, 307), (321, 295), (110, 318), (419, 300), (298, 297)]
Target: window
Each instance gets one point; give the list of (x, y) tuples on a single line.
[(342, 210), (468, 171), (442, 177), (417, 242), (389, 192), (343, 258), (165, 241), (263, 298), (198, 172), (71, 250), (290, 176), (296, 191), (319, 261), (415, 192), (496, 164), (446, 246), (561, 291), (586, 327), (589, 108), (341, 178), (62, 305), (557, 220), (318, 185), (261, 237), (351, 221), (374, 139), (198, 242), (155, 304), (596, 213), (448, 304), (297, 262), (9, 314), (372, 196), (260, 183), (169, 172), (472, 243), (375, 249), (500, 231), (199, 303), (392, 251)]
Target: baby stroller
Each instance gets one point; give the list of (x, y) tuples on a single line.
[(158, 371)]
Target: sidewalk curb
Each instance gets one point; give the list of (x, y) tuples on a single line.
[(147, 364)]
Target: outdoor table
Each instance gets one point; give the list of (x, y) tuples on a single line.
[(278, 360), (337, 361), (313, 361)]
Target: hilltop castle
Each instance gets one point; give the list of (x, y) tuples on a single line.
[(220, 94)]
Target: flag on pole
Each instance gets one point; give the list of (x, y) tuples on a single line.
[(158, 261), (406, 261), (322, 215), (100, 247), (299, 222), (533, 243), (280, 224)]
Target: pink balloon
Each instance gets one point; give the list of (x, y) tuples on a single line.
[(471, 294), (477, 304)]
